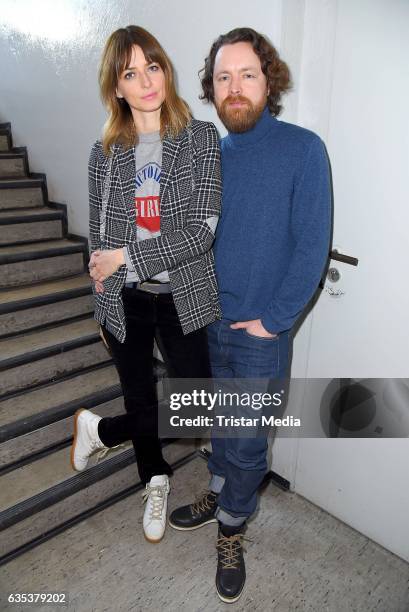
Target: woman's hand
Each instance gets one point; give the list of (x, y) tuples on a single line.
[(99, 287), (104, 264)]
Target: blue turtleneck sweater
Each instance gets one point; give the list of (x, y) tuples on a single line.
[(272, 239)]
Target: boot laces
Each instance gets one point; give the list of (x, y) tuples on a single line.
[(157, 495), (204, 502), (230, 549)]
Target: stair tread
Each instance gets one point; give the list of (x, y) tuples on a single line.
[(19, 294), (36, 340), (30, 212), (30, 370), (36, 477), (39, 400), (39, 246)]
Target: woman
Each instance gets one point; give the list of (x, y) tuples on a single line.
[(155, 192)]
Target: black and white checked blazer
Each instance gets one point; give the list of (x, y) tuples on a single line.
[(190, 195)]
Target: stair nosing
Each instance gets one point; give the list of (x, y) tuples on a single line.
[(35, 456), (10, 154), (65, 376), (57, 413), (41, 327), (24, 182), (68, 249), (16, 209), (44, 299), (49, 351), (49, 215)]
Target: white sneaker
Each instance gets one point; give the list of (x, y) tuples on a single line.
[(156, 497), (86, 440)]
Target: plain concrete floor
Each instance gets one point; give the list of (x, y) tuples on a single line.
[(299, 559)]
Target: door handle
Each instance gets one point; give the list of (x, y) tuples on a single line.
[(352, 261), (336, 256)]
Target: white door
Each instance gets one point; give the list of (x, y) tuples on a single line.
[(354, 89)]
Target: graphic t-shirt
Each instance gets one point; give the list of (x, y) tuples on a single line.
[(148, 165)]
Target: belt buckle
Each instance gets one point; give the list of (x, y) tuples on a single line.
[(144, 284)]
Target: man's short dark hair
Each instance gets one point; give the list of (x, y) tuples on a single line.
[(276, 71)]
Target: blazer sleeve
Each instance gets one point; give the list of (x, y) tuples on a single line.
[(95, 198), (149, 257)]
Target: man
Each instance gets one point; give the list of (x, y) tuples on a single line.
[(271, 247)]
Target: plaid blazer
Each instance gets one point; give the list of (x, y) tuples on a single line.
[(190, 200)]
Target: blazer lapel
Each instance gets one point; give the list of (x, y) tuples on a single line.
[(170, 149), (125, 165)]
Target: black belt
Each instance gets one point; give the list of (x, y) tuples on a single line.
[(150, 286)]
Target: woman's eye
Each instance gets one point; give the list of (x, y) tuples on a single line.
[(129, 75), (153, 68)]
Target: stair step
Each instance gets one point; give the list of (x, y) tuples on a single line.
[(37, 317), (34, 345), (20, 233), (21, 298), (25, 308), (46, 404), (24, 447), (34, 516), (21, 193), (13, 164), (56, 358), (30, 225), (26, 215), (40, 250), (48, 260), (16, 274)]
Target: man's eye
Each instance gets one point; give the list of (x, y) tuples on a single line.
[(224, 77), (249, 76)]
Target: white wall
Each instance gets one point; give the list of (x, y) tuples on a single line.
[(50, 50)]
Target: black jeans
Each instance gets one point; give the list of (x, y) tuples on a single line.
[(149, 316)]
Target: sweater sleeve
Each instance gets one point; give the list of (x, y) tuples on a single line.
[(151, 256), (310, 227)]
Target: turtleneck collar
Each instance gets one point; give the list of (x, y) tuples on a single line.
[(251, 137)]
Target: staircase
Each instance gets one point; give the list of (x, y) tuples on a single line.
[(52, 362)]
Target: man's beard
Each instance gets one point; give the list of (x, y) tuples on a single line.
[(242, 118)]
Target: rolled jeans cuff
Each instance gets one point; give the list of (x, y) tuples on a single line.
[(216, 483)]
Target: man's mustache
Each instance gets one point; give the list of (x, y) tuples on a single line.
[(231, 99)]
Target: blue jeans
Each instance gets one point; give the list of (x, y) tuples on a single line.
[(242, 462)]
